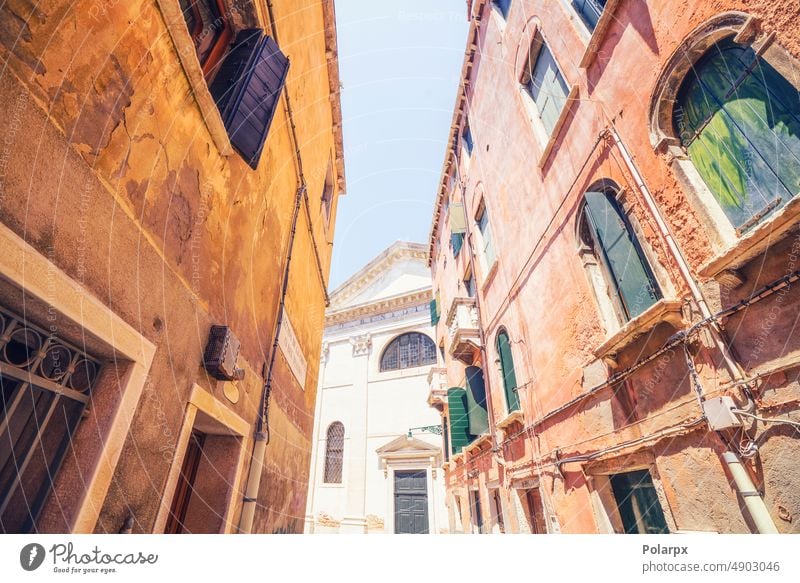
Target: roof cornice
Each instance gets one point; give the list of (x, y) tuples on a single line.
[(372, 270), (475, 10)]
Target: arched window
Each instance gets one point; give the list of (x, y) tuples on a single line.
[(507, 370), (738, 119), (407, 351), (605, 229), (334, 453)]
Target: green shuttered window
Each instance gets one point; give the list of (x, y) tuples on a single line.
[(459, 422), (617, 248), (739, 121), (546, 84), (476, 401), (507, 370), (638, 504)]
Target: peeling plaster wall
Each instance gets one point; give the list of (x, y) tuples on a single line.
[(110, 171), (540, 292)]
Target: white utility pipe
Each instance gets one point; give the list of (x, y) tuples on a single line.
[(752, 499)]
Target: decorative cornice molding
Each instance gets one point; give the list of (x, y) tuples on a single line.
[(380, 306), (372, 270)]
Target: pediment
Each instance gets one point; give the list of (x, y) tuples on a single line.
[(405, 445), (399, 270)]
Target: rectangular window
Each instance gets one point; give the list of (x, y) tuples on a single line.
[(476, 511), (209, 26), (466, 137), (469, 286), (545, 83), (498, 511), (456, 242), (502, 6), (638, 504), (535, 511), (486, 235), (589, 11)]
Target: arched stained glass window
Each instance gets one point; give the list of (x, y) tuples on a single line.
[(407, 351), (629, 276), (739, 121), (507, 370), (334, 453)]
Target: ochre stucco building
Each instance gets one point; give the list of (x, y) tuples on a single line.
[(167, 166), (615, 260)]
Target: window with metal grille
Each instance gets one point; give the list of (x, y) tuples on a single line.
[(407, 351), (45, 383), (738, 119), (608, 232), (589, 11), (545, 83), (334, 453)]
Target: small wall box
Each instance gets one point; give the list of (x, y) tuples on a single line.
[(719, 412), (221, 354)]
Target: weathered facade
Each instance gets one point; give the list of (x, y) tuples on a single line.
[(614, 251), (167, 166)]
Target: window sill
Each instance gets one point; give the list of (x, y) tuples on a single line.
[(598, 34), (669, 311), (478, 443), (754, 242), (179, 34), (457, 460), (562, 117), (487, 281), (510, 419)]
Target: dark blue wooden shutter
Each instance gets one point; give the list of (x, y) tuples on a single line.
[(247, 89), (619, 250)]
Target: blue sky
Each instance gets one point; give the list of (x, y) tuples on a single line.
[(399, 65)]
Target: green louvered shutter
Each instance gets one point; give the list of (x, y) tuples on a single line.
[(459, 422), (635, 285), (434, 307), (507, 368), (739, 121), (476, 402)]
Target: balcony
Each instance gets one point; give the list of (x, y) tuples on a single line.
[(437, 388), (463, 330)]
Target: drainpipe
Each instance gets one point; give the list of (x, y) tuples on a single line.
[(262, 430), (744, 485), (752, 499)]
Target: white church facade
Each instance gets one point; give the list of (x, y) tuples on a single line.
[(377, 456)]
